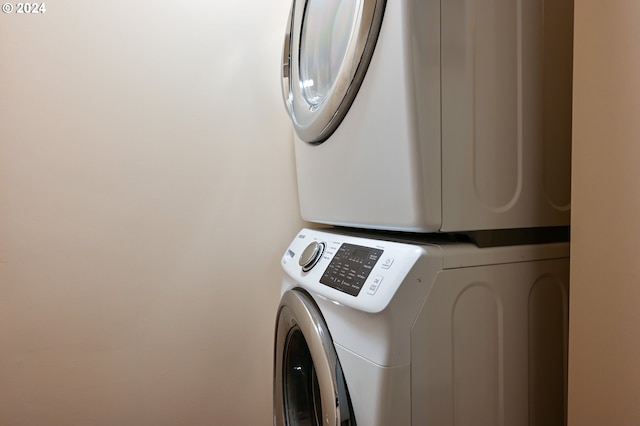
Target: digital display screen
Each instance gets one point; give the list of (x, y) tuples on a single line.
[(360, 254), (350, 268)]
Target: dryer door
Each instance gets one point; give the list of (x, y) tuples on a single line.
[(308, 385), (328, 47)]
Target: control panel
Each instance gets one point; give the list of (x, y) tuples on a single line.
[(359, 272), (350, 268)]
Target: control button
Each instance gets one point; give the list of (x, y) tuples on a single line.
[(311, 255), (387, 263), (374, 285)]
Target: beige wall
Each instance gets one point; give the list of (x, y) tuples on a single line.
[(604, 360), (147, 191)]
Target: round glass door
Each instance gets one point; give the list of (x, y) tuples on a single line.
[(328, 47), (326, 32), (302, 400), (309, 388)]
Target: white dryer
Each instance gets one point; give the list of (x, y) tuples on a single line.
[(429, 115), (377, 332)]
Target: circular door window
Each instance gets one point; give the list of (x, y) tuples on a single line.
[(302, 399), (309, 385), (326, 32), (327, 50)]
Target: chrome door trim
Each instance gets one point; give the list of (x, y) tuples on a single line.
[(286, 59), (314, 124), (297, 311)]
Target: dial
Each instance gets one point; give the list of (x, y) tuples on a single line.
[(311, 255)]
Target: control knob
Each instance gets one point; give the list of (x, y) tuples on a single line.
[(311, 255)]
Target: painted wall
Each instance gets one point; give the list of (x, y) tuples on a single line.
[(147, 191), (604, 349)]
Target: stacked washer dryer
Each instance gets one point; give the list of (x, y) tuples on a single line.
[(434, 137)]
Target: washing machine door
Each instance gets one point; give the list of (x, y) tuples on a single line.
[(328, 47), (309, 387)]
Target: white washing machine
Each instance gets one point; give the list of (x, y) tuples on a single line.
[(429, 115), (377, 332)]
